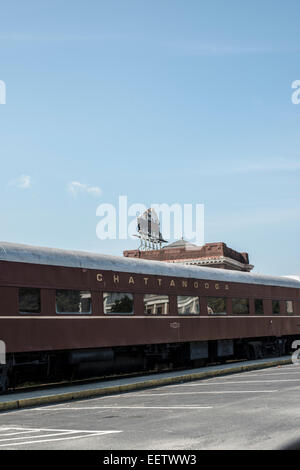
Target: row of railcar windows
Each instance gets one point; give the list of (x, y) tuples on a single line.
[(120, 303)]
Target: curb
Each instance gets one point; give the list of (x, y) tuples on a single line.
[(97, 392)]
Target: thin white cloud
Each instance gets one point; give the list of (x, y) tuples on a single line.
[(263, 166), (75, 187), (209, 48), (252, 219), (59, 37), (271, 165), (22, 182)]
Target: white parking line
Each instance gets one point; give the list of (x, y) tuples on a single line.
[(200, 384), (203, 392), (18, 432), (41, 436), (226, 377), (53, 429), (134, 407), (57, 435), (8, 429), (153, 394), (59, 439), (249, 374)]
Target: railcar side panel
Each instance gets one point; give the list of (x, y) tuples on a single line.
[(36, 334)]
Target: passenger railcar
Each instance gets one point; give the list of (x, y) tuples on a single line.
[(66, 313)]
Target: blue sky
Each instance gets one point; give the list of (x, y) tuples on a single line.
[(162, 101)]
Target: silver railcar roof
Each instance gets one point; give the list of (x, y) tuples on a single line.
[(82, 259)]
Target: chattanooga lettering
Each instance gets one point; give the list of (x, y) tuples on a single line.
[(165, 283)]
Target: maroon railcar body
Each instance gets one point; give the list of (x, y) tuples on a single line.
[(52, 270)]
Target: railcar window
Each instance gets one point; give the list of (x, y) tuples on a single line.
[(29, 300), (275, 307), (73, 302), (117, 303), (216, 306), (188, 305), (240, 306), (155, 304), (259, 306), (289, 304)]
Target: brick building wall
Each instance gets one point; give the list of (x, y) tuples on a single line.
[(217, 255)]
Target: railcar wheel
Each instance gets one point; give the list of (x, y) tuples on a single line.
[(4, 381), (250, 352)]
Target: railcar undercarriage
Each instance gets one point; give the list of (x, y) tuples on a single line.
[(45, 367)]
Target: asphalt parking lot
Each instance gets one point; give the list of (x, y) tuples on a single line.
[(250, 410)]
